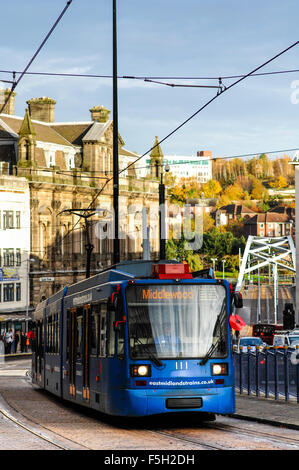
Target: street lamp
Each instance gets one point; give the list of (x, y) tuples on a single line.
[(223, 263), (162, 231), (214, 260)]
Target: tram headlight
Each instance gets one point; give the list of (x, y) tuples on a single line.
[(219, 369), (141, 370)]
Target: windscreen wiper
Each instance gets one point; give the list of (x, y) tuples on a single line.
[(151, 356), (214, 346)]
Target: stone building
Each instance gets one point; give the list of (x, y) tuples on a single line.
[(67, 166)]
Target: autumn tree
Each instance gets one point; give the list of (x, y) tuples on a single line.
[(211, 189)]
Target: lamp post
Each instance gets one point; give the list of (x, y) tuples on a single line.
[(85, 214), (162, 229), (214, 261), (28, 261), (116, 244)]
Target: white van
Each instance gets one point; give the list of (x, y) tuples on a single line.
[(288, 339)]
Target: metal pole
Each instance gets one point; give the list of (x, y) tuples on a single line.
[(259, 296), (275, 292), (27, 285), (145, 236), (162, 219), (89, 248), (116, 244)]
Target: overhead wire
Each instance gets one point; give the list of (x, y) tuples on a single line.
[(149, 77), (16, 82), (239, 80), (223, 90)]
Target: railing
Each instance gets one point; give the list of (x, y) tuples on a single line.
[(268, 373)]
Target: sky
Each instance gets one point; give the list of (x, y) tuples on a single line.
[(171, 38)]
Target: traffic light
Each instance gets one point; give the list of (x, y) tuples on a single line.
[(288, 317)]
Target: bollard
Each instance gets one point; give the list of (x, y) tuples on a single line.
[(240, 371), (248, 370), (276, 389), (286, 374), (257, 365), (297, 374), (267, 371)]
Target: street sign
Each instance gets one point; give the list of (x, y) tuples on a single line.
[(46, 279)]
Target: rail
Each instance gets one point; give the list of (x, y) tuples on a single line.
[(269, 372)]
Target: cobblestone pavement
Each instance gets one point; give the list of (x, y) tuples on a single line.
[(76, 428)]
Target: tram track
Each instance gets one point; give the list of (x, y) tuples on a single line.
[(200, 444), (8, 412), (233, 429), (225, 435), (227, 429)]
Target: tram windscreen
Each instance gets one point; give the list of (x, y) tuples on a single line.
[(177, 321)]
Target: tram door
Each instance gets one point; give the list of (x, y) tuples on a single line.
[(79, 352), (38, 348)]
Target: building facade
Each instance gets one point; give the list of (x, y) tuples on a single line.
[(231, 212), (68, 166), (14, 246)]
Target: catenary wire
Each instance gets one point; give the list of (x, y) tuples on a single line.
[(148, 78), (15, 83), (196, 113), (189, 119)]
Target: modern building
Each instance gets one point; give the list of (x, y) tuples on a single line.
[(14, 248), (198, 167)]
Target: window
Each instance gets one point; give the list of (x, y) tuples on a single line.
[(8, 292), (111, 335), (79, 333), (18, 219), (18, 291), (102, 330), (7, 220), (8, 257), (94, 319), (18, 257), (49, 334)]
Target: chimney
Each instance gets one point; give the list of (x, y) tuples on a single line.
[(99, 113), (10, 105), (42, 109), (204, 153)]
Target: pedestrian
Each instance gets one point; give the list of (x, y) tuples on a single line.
[(9, 340), (23, 342), (2, 346), (17, 339), (28, 339)]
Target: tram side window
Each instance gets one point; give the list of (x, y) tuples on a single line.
[(94, 329), (49, 334), (102, 330), (56, 335), (79, 333), (68, 332), (111, 334)]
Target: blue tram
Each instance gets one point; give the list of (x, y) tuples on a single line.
[(138, 339)]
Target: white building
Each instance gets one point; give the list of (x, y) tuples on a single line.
[(14, 244), (195, 166)]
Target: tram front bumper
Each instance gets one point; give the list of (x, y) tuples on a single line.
[(148, 401)]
